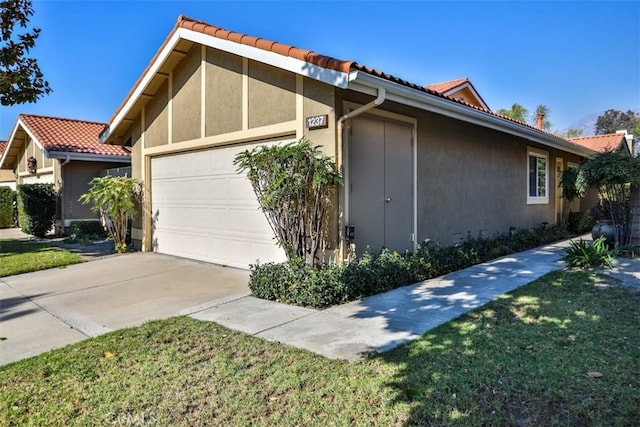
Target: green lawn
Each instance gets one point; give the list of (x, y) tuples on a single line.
[(524, 359), (22, 256)]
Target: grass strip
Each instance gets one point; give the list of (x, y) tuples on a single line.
[(23, 256), (526, 358)]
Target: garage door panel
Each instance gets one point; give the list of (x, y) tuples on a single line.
[(203, 209)]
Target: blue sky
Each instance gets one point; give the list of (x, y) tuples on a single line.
[(578, 58)]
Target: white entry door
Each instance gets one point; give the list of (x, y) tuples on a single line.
[(203, 209)]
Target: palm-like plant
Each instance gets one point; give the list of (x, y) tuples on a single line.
[(116, 199)]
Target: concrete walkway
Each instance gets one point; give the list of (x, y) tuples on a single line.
[(382, 322), (52, 308)]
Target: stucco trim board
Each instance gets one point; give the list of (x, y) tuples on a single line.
[(307, 69)]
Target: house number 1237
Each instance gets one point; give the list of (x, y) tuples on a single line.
[(318, 122)]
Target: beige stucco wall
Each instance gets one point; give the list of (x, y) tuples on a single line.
[(156, 118), (319, 99), (32, 149), (6, 175), (271, 95), (223, 96), (186, 83)]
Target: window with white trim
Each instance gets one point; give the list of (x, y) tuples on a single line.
[(537, 176)]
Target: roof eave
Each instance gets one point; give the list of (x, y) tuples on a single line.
[(20, 123), (367, 83), (89, 157)]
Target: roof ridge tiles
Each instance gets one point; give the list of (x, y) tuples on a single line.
[(604, 135), (61, 118)]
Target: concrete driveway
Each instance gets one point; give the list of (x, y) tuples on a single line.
[(52, 308)]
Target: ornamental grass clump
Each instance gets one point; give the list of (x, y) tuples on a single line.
[(582, 254)]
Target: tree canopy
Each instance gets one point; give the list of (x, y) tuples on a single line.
[(520, 113), (614, 120), (516, 112), (21, 80)]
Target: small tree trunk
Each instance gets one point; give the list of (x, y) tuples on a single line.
[(635, 217)]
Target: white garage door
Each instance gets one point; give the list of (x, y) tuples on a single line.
[(38, 179), (203, 209)]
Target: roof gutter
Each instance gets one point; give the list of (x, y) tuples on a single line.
[(88, 157), (367, 83)]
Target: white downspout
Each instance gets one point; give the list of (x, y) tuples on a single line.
[(382, 95), (67, 160)]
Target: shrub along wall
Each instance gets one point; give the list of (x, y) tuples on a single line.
[(92, 230), (294, 282), (6, 207), (36, 208)]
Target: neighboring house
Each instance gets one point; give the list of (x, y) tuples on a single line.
[(67, 153), (609, 142), (7, 177), (417, 164), (460, 89), (620, 141)]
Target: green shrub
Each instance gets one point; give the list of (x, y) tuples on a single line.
[(85, 231), (37, 208), (583, 254), (6, 207), (116, 199), (580, 222), (294, 282)]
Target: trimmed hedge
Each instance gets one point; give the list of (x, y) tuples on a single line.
[(86, 230), (294, 282), (37, 208), (7, 196)]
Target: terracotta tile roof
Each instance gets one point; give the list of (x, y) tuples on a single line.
[(610, 141), (3, 146), (447, 86), (327, 62), (282, 49), (69, 135)]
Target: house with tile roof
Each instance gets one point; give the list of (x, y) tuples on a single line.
[(460, 89), (7, 178), (619, 141), (419, 162), (61, 151)]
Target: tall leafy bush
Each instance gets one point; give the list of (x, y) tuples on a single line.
[(116, 199), (37, 208), (612, 174), (6, 207), (295, 184)]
